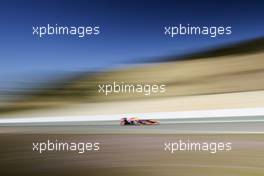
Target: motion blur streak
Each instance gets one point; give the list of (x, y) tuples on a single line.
[(158, 115)]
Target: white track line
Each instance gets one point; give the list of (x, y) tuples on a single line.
[(156, 115)]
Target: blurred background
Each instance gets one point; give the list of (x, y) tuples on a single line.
[(60, 74)]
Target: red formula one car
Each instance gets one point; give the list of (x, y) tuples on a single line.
[(136, 121)]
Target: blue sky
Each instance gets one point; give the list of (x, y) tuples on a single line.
[(130, 30)]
